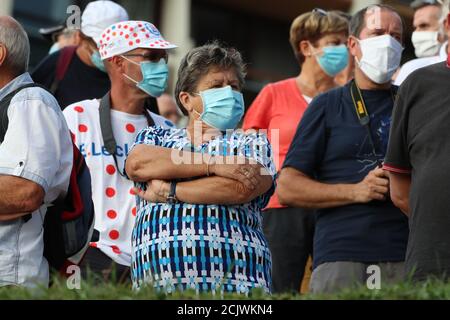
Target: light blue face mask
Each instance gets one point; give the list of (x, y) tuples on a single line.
[(55, 47), (223, 108), (155, 76), (333, 59), (97, 61)]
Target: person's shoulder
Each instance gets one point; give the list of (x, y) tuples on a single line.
[(157, 130), (418, 63), (82, 108), (160, 121), (282, 83), (85, 110), (282, 87), (322, 100), (437, 67), (36, 93), (276, 87), (424, 74)]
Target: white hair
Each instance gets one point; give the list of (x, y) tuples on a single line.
[(445, 5), (15, 39), (445, 9)]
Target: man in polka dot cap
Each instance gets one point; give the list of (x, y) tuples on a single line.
[(135, 56), (140, 51)]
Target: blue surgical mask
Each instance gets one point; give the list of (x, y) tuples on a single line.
[(333, 59), (55, 47), (155, 76), (223, 108), (97, 61)]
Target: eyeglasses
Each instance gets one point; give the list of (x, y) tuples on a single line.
[(320, 11), (153, 57)]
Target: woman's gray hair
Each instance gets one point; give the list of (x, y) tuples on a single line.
[(15, 39), (199, 61)]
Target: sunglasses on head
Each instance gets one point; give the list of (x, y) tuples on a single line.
[(320, 11)]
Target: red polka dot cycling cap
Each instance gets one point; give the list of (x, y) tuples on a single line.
[(125, 36)]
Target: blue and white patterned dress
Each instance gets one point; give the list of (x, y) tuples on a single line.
[(208, 248)]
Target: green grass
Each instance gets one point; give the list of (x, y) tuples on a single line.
[(428, 290), (432, 289)]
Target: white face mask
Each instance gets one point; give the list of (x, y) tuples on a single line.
[(380, 58), (426, 43)]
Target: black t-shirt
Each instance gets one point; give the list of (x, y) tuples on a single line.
[(331, 146), (80, 82), (420, 145)]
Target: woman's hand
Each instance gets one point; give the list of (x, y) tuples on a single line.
[(242, 171), (157, 191)]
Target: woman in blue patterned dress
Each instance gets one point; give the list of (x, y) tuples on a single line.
[(201, 189)]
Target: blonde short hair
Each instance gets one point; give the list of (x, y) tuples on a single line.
[(314, 25)]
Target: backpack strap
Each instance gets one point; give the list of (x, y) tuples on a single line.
[(4, 106), (151, 105), (65, 57), (106, 127)]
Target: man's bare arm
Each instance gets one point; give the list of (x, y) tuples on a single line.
[(208, 190), (19, 196), (400, 185), (298, 190)]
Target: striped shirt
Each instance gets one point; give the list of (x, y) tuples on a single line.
[(214, 248)]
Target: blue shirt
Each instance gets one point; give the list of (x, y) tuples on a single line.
[(332, 147)]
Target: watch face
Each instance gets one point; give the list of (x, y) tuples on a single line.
[(171, 200), (172, 195)]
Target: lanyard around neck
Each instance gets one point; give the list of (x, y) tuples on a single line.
[(363, 114)]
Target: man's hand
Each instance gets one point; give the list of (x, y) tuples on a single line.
[(246, 173), (375, 186), (157, 191)]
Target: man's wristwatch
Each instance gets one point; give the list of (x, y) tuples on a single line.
[(172, 197)]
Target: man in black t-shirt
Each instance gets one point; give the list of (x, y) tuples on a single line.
[(85, 76), (333, 165), (418, 165)]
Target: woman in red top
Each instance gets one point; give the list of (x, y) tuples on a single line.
[(318, 39)]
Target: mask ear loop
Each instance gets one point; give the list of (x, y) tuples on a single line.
[(129, 60), (195, 111), (313, 51), (355, 57), (127, 76)]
